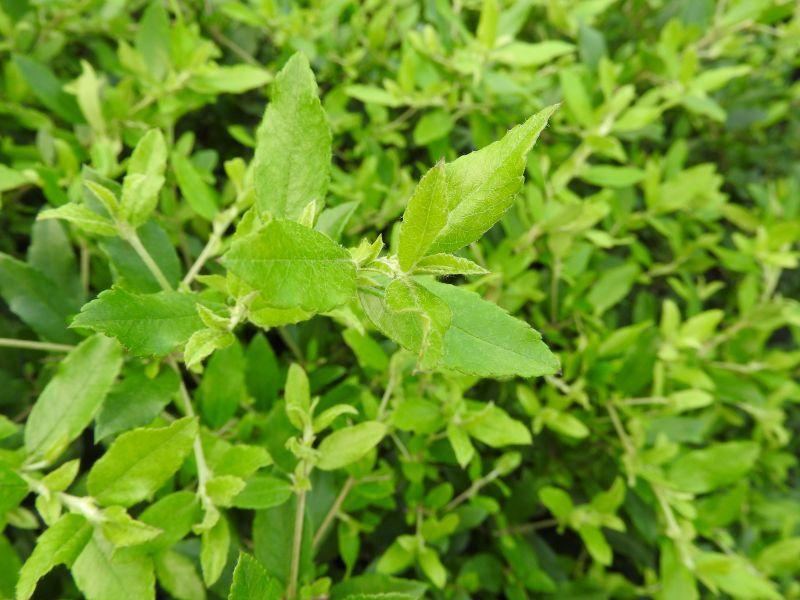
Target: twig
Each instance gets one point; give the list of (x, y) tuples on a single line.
[(31, 345), (297, 541), (337, 505)]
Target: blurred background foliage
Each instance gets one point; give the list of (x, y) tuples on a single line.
[(654, 245)]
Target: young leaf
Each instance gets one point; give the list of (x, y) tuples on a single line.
[(701, 471), (177, 575), (82, 217), (12, 490), (482, 185), (146, 324), (424, 217), (294, 267), (223, 387), (60, 543), (144, 179), (263, 491), (140, 461), (494, 427), (252, 582), (293, 154), (71, 398), (199, 195), (486, 341), (447, 264), (214, 550), (346, 446)]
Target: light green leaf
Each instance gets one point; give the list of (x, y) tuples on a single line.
[(59, 544), (122, 530), (102, 572), (447, 264), (432, 567), (482, 185), (328, 416), (523, 54), (82, 217), (263, 491), (177, 575), (424, 217), (293, 154), (214, 550), (492, 426), (144, 179), (252, 582), (200, 196), (346, 446), (433, 126), (233, 79), (10, 179), (12, 490), (612, 286), (294, 267), (146, 324), (140, 461), (486, 341), (461, 444), (71, 398), (611, 176), (701, 471)]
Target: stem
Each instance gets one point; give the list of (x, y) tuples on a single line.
[(211, 245), (130, 236), (472, 490), (337, 505), (294, 572), (85, 264), (31, 345)]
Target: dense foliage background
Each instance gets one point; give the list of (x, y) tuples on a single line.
[(653, 245)]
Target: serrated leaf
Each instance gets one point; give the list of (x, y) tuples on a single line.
[(146, 324), (447, 264), (293, 153), (346, 446), (140, 461), (252, 582), (482, 185), (294, 267), (424, 217), (486, 341), (71, 398)]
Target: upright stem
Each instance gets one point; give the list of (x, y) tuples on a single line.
[(297, 542), (31, 345)]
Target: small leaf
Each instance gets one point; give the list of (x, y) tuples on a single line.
[(447, 264), (145, 177), (492, 426), (82, 217), (263, 491), (346, 446), (214, 551), (424, 218)]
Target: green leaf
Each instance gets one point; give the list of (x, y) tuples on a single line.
[(233, 79), (36, 299), (59, 544), (492, 426), (145, 178), (613, 177), (200, 196), (612, 286), (146, 324), (223, 387), (482, 185), (122, 530), (13, 490), (81, 216), (252, 582), (461, 444), (11, 179), (345, 446), (48, 89), (432, 567), (174, 514), (263, 491), (701, 471), (432, 126), (102, 572), (129, 270), (214, 551), (447, 264), (523, 54), (135, 402), (294, 267), (51, 253), (71, 398), (153, 40), (332, 221), (424, 217), (486, 341), (177, 575), (140, 461), (293, 154)]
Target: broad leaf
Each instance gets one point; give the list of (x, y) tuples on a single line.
[(346, 446), (486, 341), (482, 185), (294, 267), (71, 398), (293, 153), (140, 461), (146, 324), (102, 572)]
